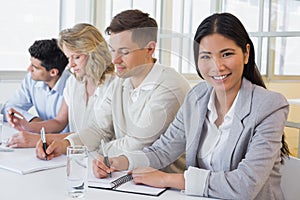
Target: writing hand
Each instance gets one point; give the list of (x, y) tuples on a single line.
[(101, 170), (55, 148)]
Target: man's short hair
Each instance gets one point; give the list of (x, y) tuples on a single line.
[(50, 55), (143, 27)]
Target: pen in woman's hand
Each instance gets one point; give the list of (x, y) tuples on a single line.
[(106, 161)]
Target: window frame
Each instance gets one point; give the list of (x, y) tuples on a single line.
[(97, 15)]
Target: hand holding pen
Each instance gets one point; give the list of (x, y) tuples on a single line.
[(106, 161), (16, 120), (43, 137)]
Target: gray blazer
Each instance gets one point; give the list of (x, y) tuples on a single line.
[(251, 163)]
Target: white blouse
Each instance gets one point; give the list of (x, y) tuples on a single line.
[(80, 112)]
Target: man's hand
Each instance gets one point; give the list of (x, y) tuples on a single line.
[(23, 139)]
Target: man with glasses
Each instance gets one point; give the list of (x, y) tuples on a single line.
[(142, 102)]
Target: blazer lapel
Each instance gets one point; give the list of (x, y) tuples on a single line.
[(195, 128), (242, 109)]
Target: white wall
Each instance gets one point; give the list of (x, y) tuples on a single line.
[(8, 88)]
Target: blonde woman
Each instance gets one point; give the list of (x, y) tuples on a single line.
[(90, 63)]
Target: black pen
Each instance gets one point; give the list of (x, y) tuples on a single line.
[(43, 137), (106, 161)]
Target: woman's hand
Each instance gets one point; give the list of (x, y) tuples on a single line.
[(100, 170), (157, 178), (54, 148)]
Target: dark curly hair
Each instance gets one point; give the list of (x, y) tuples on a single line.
[(50, 55)]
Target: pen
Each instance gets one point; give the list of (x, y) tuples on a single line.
[(106, 161), (16, 115), (43, 137)]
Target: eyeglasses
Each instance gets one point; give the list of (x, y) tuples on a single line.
[(122, 52)]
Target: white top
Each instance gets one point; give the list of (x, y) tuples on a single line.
[(215, 139), (294, 101), (37, 94), (80, 112), (134, 118), (212, 146)]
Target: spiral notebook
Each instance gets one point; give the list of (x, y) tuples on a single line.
[(122, 182)]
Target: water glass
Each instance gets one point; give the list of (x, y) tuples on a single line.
[(3, 139), (77, 167)]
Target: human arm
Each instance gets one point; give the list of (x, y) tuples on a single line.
[(142, 122), (249, 166), (142, 175), (23, 139), (53, 125), (98, 124), (101, 170), (156, 178), (136, 124), (246, 166)]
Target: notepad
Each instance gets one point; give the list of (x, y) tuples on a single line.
[(122, 182), (24, 161)]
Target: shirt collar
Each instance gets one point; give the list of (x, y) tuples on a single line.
[(59, 85), (150, 80), (212, 112)]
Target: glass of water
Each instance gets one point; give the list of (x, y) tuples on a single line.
[(77, 167), (4, 139)]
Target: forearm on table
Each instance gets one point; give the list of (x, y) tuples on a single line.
[(175, 181)]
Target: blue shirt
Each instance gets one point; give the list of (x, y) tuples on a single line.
[(37, 94)]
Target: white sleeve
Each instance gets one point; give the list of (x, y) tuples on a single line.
[(195, 181)]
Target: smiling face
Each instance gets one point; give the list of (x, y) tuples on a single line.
[(129, 58), (221, 62), (77, 62)]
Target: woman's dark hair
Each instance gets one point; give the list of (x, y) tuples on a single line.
[(230, 27), (50, 55)]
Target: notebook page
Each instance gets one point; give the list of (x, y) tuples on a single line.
[(131, 187), (24, 161)]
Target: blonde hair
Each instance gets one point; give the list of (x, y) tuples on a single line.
[(85, 38)]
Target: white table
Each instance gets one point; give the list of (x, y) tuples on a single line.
[(51, 185)]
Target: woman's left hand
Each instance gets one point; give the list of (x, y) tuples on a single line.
[(150, 176)]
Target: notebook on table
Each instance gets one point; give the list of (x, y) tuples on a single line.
[(122, 182), (24, 161)]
